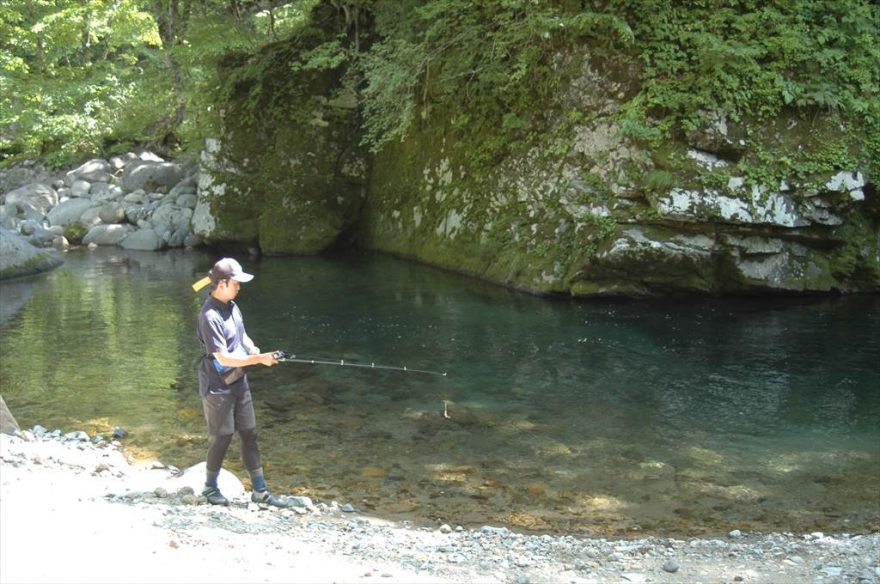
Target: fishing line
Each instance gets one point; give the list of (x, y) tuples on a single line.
[(285, 357)]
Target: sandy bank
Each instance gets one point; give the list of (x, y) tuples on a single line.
[(73, 511)]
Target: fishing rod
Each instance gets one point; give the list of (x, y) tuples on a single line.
[(285, 357)]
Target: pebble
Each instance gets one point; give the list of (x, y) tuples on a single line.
[(458, 553)]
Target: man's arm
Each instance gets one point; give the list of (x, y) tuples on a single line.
[(236, 360), (249, 345)]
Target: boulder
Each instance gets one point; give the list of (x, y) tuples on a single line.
[(38, 197), (150, 175), (111, 213), (144, 239), (8, 425), (6, 222), (187, 200), (170, 215), (20, 175), (186, 186), (119, 162), (107, 234), (91, 216), (194, 478), (69, 211), (95, 170), (178, 238), (138, 197), (80, 188), (36, 234), (20, 258)]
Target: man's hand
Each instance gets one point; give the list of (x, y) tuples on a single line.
[(268, 359)]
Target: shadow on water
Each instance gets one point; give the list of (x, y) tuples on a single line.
[(601, 417)]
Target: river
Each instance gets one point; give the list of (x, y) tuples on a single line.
[(686, 417)]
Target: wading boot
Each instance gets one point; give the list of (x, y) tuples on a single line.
[(267, 498), (214, 496)]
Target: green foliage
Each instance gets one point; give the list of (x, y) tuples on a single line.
[(753, 62), (82, 77), (488, 62), (64, 66), (659, 181)]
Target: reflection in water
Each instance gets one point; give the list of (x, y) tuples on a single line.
[(603, 417)]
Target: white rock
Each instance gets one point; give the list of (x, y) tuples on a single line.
[(80, 188)]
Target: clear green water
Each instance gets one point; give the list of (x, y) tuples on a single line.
[(687, 417)]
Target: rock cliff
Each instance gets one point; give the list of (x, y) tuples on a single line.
[(584, 211)]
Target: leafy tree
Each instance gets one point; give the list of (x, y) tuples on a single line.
[(64, 66), (82, 77)]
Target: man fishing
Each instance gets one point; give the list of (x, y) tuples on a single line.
[(223, 384)]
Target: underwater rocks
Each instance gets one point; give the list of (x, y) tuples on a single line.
[(105, 508)]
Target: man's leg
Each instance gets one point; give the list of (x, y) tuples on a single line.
[(219, 414), (246, 424)]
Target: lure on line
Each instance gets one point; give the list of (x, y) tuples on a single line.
[(285, 357)]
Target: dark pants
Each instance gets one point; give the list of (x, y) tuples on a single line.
[(227, 413)]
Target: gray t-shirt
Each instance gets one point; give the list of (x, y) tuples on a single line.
[(220, 328)]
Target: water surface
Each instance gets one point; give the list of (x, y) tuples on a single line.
[(688, 417)]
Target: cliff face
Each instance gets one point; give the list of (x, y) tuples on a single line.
[(584, 211), (287, 175)]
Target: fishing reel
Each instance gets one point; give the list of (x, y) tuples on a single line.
[(283, 355)]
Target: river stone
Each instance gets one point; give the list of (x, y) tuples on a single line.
[(170, 216), (95, 170), (119, 162), (91, 216), (21, 175), (178, 238), (100, 190), (188, 200), (8, 424), (69, 211), (151, 176), (6, 222), (80, 188), (111, 213), (145, 239), (38, 197), (137, 213), (184, 187), (20, 258), (194, 478), (36, 234), (139, 197), (107, 234), (60, 243)]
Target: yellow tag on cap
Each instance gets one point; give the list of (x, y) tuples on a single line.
[(201, 283)]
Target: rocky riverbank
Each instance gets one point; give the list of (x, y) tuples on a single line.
[(134, 201), (75, 509)]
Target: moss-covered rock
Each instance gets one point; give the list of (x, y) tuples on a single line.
[(288, 174), (573, 206), (20, 258), (75, 232)]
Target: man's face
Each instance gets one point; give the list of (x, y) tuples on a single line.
[(227, 290)]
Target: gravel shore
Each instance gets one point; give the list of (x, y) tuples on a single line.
[(78, 511)]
